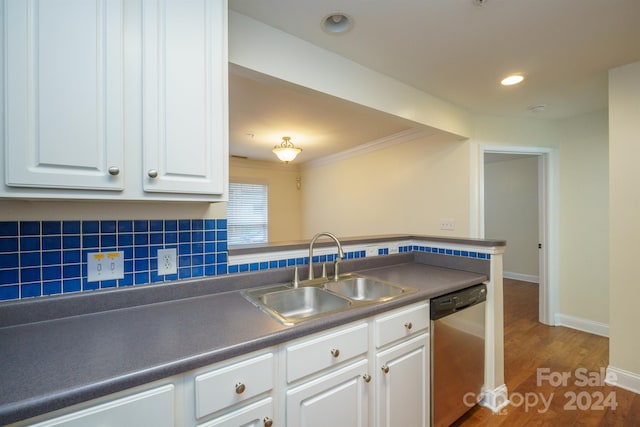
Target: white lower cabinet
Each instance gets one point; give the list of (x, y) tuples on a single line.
[(402, 384), (339, 398), (151, 408), (237, 392), (372, 372)]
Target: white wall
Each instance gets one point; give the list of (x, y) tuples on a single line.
[(511, 211), (405, 188), (624, 217), (584, 224)]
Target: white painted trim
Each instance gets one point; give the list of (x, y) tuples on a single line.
[(522, 277), (549, 217), (378, 144), (624, 379), (582, 324), (495, 399)]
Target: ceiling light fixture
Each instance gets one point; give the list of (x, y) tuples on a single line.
[(512, 79), (337, 23), (286, 151)]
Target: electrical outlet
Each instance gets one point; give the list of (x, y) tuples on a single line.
[(167, 262), (105, 266), (447, 224)]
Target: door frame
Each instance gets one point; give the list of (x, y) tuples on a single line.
[(548, 227)]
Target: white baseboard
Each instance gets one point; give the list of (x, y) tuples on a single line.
[(581, 324), (496, 399), (623, 379), (523, 277)]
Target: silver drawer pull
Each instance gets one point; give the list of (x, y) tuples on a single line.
[(268, 422), (408, 325), (335, 352), (385, 369), (240, 388), (114, 170), (367, 378), (152, 173)]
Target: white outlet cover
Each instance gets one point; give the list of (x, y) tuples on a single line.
[(105, 266), (167, 261)]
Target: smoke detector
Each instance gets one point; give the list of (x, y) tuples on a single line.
[(538, 108)]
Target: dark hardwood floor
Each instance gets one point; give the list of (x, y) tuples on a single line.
[(536, 357)]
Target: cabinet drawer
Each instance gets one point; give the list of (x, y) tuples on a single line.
[(326, 350), (234, 383), (401, 323)]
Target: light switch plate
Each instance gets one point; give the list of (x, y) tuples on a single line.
[(447, 224), (105, 266)]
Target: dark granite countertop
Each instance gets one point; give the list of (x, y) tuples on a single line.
[(50, 363)]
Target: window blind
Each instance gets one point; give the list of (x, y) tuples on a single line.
[(247, 213)]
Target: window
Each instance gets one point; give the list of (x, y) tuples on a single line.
[(247, 213)]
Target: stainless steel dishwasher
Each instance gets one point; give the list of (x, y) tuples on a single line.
[(457, 353)]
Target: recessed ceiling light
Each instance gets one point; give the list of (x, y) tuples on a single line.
[(512, 79), (337, 23)]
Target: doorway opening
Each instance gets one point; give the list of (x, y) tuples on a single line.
[(540, 225)]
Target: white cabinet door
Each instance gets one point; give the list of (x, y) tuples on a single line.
[(153, 408), (185, 96), (64, 94), (402, 384), (339, 398)]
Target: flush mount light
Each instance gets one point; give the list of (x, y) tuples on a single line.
[(337, 23), (512, 79), (286, 151)]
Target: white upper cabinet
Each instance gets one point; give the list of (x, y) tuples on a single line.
[(64, 94), (183, 102), (114, 99)]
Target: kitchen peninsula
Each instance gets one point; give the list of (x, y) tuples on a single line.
[(71, 353)]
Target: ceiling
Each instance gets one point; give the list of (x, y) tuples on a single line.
[(453, 49)]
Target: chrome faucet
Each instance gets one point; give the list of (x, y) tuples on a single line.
[(340, 253)]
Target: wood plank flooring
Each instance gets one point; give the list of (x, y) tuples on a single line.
[(543, 398)]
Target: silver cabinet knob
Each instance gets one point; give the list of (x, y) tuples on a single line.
[(408, 325), (335, 352), (268, 422), (114, 170), (240, 388), (385, 369), (153, 173), (367, 378)]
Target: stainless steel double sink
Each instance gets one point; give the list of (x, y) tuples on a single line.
[(290, 305)]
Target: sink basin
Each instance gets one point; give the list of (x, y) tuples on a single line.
[(293, 305), (321, 297), (364, 289)]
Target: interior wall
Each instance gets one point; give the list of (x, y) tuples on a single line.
[(405, 188), (511, 211), (285, 216), (584, 224), (582, 144), (624, 211)]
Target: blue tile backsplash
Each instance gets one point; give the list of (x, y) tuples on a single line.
[(50, 257), (39, 258)]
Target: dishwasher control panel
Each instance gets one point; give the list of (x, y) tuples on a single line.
[(450, 303)]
